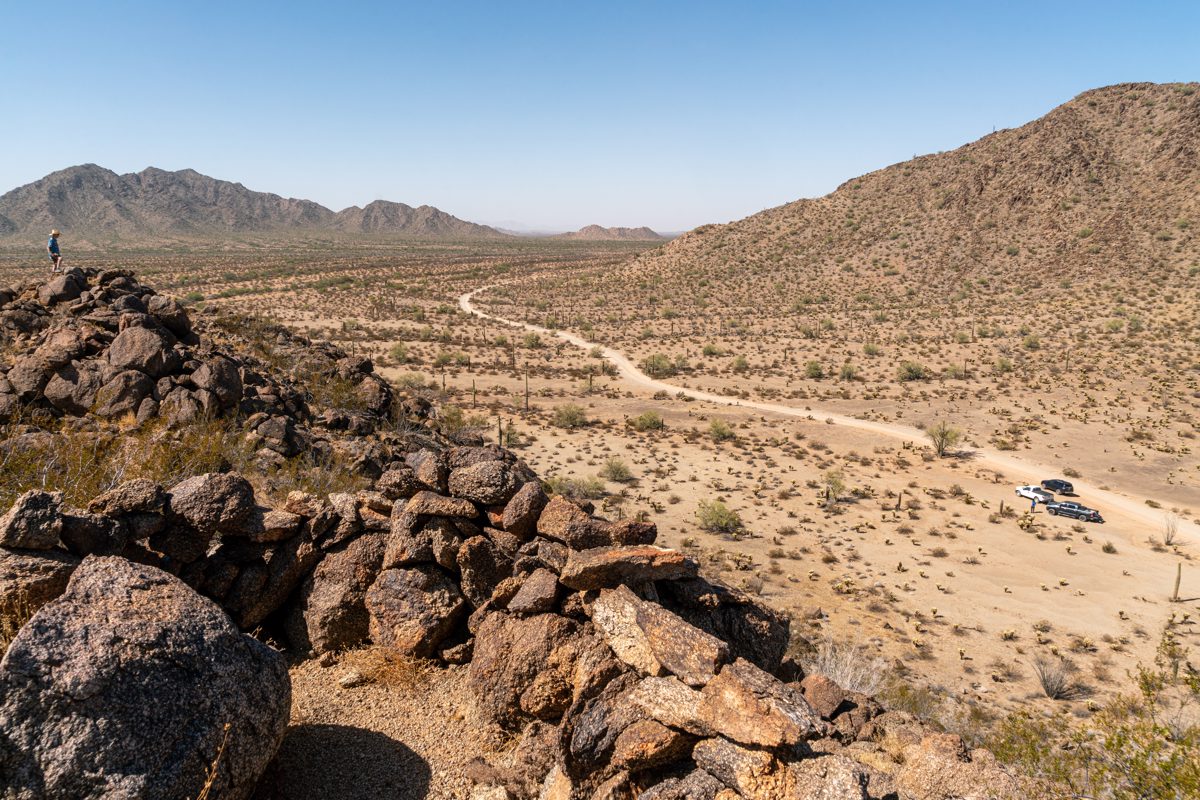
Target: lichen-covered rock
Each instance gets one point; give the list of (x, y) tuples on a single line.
[(34, 522), (145, 350), (512, 663), (31, 578), (331, 613), (941, 767), (754, 632), (603, 567), (413, 610), (521, 513), (428, 503), (128, 685), (214, 502), (488, 482)]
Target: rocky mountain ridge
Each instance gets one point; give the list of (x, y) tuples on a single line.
[(89, 202)]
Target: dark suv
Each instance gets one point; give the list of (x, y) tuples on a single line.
[(1074, 510), (1058, 486)]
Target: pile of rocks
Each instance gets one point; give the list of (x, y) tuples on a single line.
[(98, 343)]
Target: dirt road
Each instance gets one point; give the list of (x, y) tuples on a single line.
[(1017, 469)]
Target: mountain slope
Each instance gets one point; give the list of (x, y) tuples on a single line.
[(89, 201), (598, 233), (1105, 182), (383, 216)]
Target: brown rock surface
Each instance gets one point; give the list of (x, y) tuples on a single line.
[(604, 567)]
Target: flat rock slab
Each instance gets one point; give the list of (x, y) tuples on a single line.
[(650, 639), (753, 707), (606, 567), (433, 504)]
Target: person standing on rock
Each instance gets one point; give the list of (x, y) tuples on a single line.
[(52, 249)]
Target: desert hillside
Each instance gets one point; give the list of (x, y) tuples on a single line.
[(89, 202), (1102, 186)]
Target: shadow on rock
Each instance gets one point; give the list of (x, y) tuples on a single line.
[(340, 762)]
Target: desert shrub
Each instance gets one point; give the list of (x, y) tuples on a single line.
[(720, 431), (814, 370), (848, 372), (850, 666), (647, 421), (712, 350), (1140, 746), (531, 341), (912, 371), (658, 365), (616, 470), (14, 613), (585, 488), (399, 352), (872, 349), (740, 364), (1057, 678), (459, 426), (716, 517), (83, 464), (569, 416)]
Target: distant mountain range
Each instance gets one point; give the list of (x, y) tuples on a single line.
[(89, 202), (595, 232)]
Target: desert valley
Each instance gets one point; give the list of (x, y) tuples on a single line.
[(500, 511)]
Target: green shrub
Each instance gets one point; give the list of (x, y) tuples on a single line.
[(912, 371), (616, 470), (716, 517), (569, 416), (814, 370), (647, 421), (658, 365), (399, 352), (577, 488), (720, 431)]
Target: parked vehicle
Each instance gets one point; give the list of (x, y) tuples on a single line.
[(1035, 493), (1058, 486), (1074, 510)]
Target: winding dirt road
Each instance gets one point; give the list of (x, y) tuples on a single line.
[(1017, 469)]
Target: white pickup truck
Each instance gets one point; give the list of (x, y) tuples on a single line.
[(1035, 493)]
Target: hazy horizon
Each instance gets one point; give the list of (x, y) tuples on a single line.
[(549, 118)]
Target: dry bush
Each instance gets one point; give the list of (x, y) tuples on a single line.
[(1057, 678), (15, 613), (850, 666)]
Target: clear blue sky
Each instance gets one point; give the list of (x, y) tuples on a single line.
[(553, 114)]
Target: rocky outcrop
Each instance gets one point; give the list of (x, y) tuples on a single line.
[(132, 685)]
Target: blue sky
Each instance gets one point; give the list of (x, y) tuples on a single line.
[(553, 115)]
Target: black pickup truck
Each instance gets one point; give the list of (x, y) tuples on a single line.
[(1074, 510)]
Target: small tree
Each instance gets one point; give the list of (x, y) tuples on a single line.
[(944, 437), (658, 365), (835, 484)]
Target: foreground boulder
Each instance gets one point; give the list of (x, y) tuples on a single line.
[(128, 685)]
